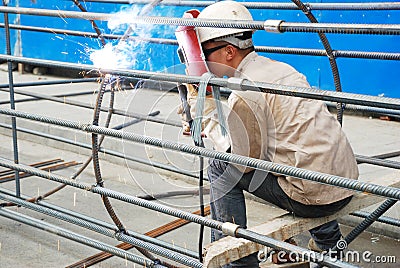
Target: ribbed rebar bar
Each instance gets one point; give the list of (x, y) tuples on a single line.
[(89, 106), (243, 233), (116, 195), (94, 24), (105, 231), (368, 110), (335, 53), (106, 151), (52, 82), (389, 192), (131, 233), (89, 34), (270, 5), (381, 219), (12, 101), (351, 98), (267, 49), (81, 93), (378, 162), (332, 60), (334, 28), (75, 237), (107, 225), (387, 155), (371, 218)]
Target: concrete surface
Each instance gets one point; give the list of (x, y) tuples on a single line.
[(23, 246)]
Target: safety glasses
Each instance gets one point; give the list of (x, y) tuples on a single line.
[(209, 51)]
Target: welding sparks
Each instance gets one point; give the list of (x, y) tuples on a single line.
[(128, 52)]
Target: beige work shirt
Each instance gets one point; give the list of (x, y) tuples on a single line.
[(287, 130)]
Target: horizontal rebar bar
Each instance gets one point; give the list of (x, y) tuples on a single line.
[(113, 194), (378, 162), (368, 110), (52, 82), (90, 106), (252, 236), (75, 237), (266, 49), (89, 34), (387, 155), (75, 94), (107, 225), (381, 219), (105, 231), (336, 53), (342, 28), (269, 5), (343, 97), (356, 185), (106, 151)]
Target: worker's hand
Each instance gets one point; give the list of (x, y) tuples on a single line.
[(209, 106)]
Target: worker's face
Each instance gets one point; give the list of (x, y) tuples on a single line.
[(216, 55)]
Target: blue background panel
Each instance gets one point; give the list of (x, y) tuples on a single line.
[(372, 77)]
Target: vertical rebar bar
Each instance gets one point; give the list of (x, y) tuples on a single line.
[(12, 101), (370, 219)]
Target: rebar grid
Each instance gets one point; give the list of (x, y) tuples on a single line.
[(105, 231), (76, 237), (268, 49), (246, 85), (240, 233), (270, 5), (344, 97), (335, 28), (389, 192)]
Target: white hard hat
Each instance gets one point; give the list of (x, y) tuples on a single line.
[(228, 10)]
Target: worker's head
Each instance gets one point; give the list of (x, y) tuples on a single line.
[(225, 46)]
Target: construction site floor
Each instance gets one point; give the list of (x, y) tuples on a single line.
[(25, 246)]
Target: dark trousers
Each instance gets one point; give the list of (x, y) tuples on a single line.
[(228, 204)]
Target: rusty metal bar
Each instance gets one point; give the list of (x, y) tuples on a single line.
[(38, 164), (47, 168)]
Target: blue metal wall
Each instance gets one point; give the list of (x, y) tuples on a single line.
[(373, 77)]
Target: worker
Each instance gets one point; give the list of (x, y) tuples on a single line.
[(285, 130)]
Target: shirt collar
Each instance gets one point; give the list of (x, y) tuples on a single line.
[(246, 60)]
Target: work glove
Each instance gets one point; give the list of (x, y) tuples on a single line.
[(209, 107)]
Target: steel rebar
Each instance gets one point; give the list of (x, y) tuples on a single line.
[(105, 231), (89, 106), (389, 192), (326, 95), (241, 233), (334, 28), (332, 60), (75, 237), (381, 219), (267, 49), (270, 5), (107, 225), (12, 101), (378, 162), (106, 151), (373, 216)]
